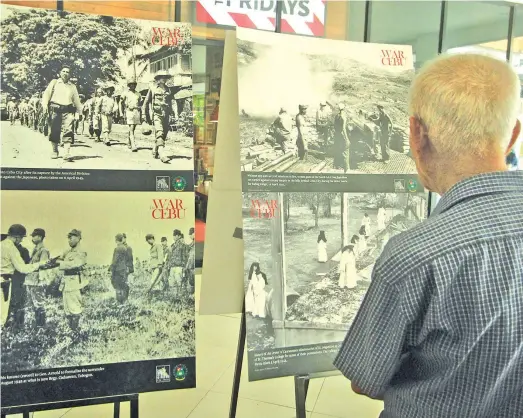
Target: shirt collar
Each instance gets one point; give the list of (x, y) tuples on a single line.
[(480, 185)]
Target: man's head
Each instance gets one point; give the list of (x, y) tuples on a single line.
[(191, 234), (150, 238), (463, 118), (74, 237), (16, 233), (65, 74), (99, 92), (38, 236), (132, 85), (303, 109), (124, 238), (164, 240), (177, 234), (119, 238)]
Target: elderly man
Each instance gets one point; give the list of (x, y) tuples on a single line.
[(439, 333)]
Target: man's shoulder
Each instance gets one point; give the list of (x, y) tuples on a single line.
[(466, 225)]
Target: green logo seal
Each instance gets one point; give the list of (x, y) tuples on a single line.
[(180, 372), (179, 184), (412, 185)]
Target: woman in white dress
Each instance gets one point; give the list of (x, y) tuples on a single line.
[(354, 241), (260, 296), (382, 215), (322, 247), (366, 223), (362, 242), (249, 295), (348, 275)]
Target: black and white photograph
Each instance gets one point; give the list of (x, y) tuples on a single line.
[(96, 278), (309, 260), (312, 105), (85, 91)]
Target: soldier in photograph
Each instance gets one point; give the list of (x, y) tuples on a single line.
[(36, 282), (37, 111), (177, 258), (301, 125), (341, 140), (119, 269), (13, 267), (282, 127), (165, 246), (130, 258), (383, 121), (71, 263), (157, 108), (156, 262), (189, 266), (108, 110), (96, 115), (12, 109), (61, 101), (130, 109), (87, 114), (23, 109), (322, 123)]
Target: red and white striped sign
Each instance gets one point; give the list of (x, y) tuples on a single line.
[(303, 17)]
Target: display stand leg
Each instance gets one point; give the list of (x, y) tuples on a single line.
[(116, 413), (238, 366), (25, 415), (134, 406), (301, 387)]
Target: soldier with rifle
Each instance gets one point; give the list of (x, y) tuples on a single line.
[(119, 269)]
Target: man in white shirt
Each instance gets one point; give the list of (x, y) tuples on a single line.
[(61, 101)]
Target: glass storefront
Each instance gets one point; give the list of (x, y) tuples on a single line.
[(431, 27)]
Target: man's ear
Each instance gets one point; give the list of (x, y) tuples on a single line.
[(416, 136), (515, 135)]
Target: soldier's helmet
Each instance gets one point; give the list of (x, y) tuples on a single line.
[(17, 230), (303, 107), (162, 74), (132, 81), (75, 233)]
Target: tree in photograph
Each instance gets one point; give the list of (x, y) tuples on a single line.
[(35, 44)]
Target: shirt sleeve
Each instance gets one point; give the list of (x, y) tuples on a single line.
[(372, 351), (19, 263)]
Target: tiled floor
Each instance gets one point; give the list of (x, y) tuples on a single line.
[(217, 337)]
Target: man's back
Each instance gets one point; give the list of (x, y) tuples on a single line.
[(460, 275)]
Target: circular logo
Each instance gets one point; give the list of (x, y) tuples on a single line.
[(412, 185), (180, 372), (179, 184)]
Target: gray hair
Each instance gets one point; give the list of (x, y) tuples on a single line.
[(467, 102)]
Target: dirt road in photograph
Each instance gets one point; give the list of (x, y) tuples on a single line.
[(23, 147)]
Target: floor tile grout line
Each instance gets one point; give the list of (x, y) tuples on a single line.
[(319, 394), (197, 403)]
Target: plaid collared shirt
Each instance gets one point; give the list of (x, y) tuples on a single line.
[(440, 331)]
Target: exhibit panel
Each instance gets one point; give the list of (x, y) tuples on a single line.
[(97, 287), (327, 180)]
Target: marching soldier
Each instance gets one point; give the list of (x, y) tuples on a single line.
[(302, 140), (165, 247), (384, 123), (130, 109), (36, 282), (61, 101), (12, 109), (158, 103), (71, 263), (96, 107), (11, 263), (23, 112), (119, 269), (108, 110), (322, 123), (88, 116)]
